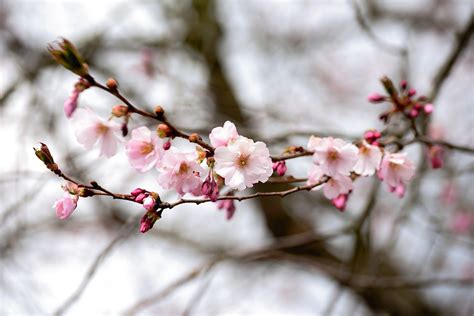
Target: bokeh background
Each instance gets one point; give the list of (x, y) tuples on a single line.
[(281, 71)]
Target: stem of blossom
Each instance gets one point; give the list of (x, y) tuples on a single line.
[(134, 109), (291, 156)]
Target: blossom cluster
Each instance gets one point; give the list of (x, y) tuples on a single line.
[(216, 170)]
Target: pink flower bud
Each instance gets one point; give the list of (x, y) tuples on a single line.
[(411, 92), (148, 220), (137, 191), (228, 206), (140, 197), (418, 106), (71, 103), (279, 167), (149, 203), (375, 98), (428, 108), (65, 206), (369, 135), (403, 84), (209, 188), (413, 113), (435, 154), (340, 202), (377, 134), (167, 145)]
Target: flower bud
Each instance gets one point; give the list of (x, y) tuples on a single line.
[(112, 84), (45, 156), (148, 220), (228, 206), (413, 113), (124, 128), (436, 155), (389, 87), (428, 108), (167, 145), (194, 137), (119, 110), (403, 84), (340, 202), (375, 98), (149, 203), (159, 111), (411, 92), (280, 168), (67, 55), (140, 197), (137, 191), (163, 130)]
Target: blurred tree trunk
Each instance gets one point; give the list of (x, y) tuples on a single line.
[(204, 36)]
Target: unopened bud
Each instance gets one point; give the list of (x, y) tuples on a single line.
[(159, 111), (148, 220), (66, 54), (375, 98), (45, 156), (193, 138), (124, 128), (411, 92), (389, 87), (428, 108), (112, 84), (119, 110), (414, 113), (137, 191), (403, 84), (140, 197), (167, 145), (163, 130)]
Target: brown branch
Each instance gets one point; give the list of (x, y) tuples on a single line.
[(162, 118), (461, 44)]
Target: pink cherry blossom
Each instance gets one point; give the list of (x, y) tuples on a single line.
[(337, 185), (180, 172), (144, 149), (91, 129), (335, 156), (314, 142), (71, 103), (221, 136), (65, 206), (243, 163), (396, 169), (315, 175), (369, 159)]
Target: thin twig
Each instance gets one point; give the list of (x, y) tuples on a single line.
[(126, 230)]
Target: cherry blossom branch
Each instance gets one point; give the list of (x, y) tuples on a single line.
[(158, 116), (166, 205)]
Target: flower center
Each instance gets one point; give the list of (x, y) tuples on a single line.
[(146, 148), (243, 161), (183, 168), (333, 155), (102, 129), (394, 166)]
